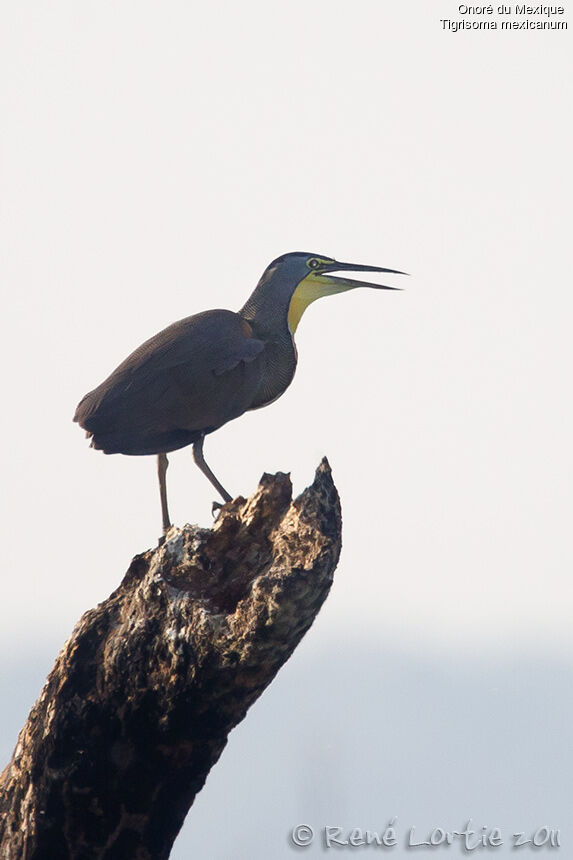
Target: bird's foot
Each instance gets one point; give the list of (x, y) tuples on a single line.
[(216, 508)]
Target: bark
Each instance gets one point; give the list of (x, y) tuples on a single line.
[(139, 704)]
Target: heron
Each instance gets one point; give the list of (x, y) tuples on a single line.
[(207, 369)]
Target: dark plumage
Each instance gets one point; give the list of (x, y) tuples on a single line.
[(181, 384), (205, 370)]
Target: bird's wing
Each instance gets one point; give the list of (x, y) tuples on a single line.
[(244, 351), (195, 375), (213, 341)]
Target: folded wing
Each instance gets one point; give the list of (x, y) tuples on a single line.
[(186, 381)]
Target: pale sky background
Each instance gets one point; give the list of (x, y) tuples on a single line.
[(155, 158)]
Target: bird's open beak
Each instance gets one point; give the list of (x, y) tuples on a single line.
[(321, 283), (338, 285)]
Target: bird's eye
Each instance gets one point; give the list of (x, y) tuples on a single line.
[(313, 263)]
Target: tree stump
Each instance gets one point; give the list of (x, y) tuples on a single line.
[(139, 704)]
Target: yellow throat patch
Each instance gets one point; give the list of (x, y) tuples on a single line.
[(310, 289)]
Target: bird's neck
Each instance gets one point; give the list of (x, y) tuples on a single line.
[(266, 310)]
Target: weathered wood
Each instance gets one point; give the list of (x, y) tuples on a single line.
[(142, 697)]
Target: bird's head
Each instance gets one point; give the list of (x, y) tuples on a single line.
[(311, 277)]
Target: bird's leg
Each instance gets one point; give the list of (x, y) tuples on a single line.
[(200, 460), (162, 464)]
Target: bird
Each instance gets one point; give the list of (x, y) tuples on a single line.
[(207, 369)]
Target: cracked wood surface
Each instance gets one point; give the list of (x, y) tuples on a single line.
[(139, 704)]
